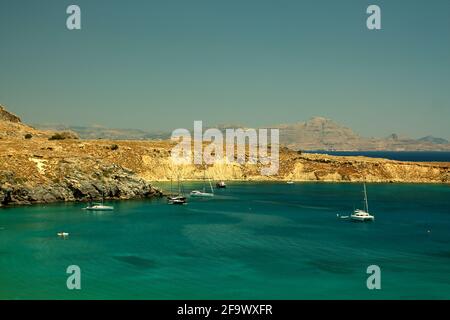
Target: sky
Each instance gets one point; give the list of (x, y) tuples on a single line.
[(161, 64)]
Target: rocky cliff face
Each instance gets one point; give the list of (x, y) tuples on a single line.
[(104, 182)]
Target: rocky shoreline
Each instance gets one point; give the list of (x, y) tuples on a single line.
[(109, 183), (43, 167), (69, 171)]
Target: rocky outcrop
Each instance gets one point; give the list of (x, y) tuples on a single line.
[(8, 116), (12, 127), (107, 182), (41, 167)]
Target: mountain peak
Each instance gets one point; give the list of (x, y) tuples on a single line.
[(433, 140)]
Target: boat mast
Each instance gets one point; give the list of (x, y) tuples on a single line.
[(204, 179), (210, 185), (365, 199), (209, 181)]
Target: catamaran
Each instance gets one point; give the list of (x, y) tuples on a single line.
[(204, 194), (363, 214)]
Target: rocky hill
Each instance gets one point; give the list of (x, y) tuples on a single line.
[(433, 140), (8, 116), (324, 134), (35, 167), (318, 134), (12, 127), (40, 169)]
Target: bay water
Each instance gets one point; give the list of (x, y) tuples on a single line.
[(251, 241)]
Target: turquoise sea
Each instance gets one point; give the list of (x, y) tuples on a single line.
[(252, 241), (417, 156)]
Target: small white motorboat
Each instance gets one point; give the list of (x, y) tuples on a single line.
[(290, 182), (221, 185), (63, 234)]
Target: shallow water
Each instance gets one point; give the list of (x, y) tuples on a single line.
[(252, 241)]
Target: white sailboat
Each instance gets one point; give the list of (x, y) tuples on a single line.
[(99, 206), (203, 194), (178, 199), (363, 214)]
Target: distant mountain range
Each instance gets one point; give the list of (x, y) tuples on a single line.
[(100, 132), (324, 134), (318, 133)]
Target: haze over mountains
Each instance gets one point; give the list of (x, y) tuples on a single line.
[(318, 133)]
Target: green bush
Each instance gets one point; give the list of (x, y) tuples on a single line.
[(63, 135), (56, 136)]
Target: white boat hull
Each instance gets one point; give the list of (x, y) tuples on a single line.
[(98, 208), (366, 218), (202, 195), (178, 202)]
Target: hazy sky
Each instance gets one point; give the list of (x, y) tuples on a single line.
[(163, 64)]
